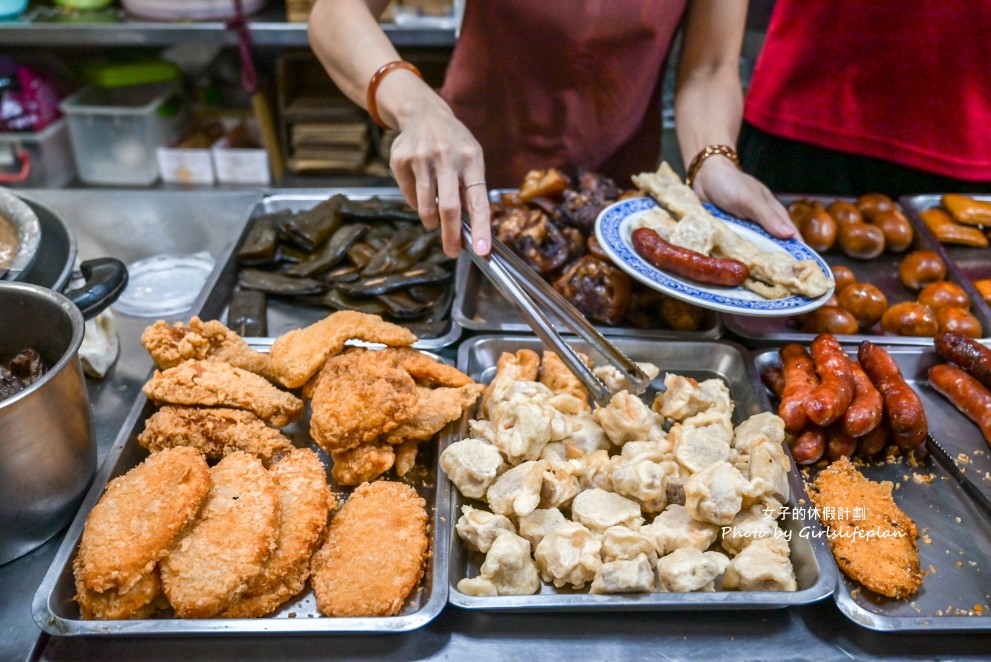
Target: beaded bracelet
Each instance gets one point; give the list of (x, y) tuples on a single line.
[(373, 86), (710, 150)]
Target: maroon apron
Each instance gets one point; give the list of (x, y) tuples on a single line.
[(567, 83)]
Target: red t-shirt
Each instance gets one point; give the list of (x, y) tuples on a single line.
[(907, 81), (575, 83)]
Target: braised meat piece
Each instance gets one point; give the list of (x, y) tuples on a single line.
[(532, 236), (596, 288)]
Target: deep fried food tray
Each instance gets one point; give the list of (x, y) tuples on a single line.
[(284, 314), (882, 272), (55, 611), (960, 539), (814, 568)]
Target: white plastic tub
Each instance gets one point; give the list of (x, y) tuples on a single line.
[(189, 10), (41, 159), (116, 131), (185, 166)]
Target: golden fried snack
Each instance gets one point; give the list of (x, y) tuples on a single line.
[(406, 456), (374, 554), (359, 400), (523, 366), (216, 431), (215, 383), (948, 231), (437, 408), (171, 345), (362, 464), (886, 565), (138, 517), (141, 601), (297, 355), (556, 376), (305, 502), (210, 565), (967, 210)]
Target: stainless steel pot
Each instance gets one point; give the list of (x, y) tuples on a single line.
[(47, 447)]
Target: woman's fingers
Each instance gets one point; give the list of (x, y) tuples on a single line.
[(476, 200), (449, 200), (426, 193)]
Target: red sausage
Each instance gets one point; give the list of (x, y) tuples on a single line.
[(839, 443), (967, 353), (966, 393), (829, 401), (685, 262), (800, 379), (874, 441), (867, 407), (902, 405), (810, 446)]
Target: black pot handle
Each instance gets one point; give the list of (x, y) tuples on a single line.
[(106, 278)]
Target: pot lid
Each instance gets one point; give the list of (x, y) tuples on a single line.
[(164, 285)]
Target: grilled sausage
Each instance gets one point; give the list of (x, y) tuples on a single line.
[(839, 443), (830, 399), (874, 441), (967, 353), (688, 263), (867, 408), (800, 379), (966, 393), (810, 446), (902, 406)]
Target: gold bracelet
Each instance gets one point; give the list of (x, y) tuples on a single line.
[(710, 150)]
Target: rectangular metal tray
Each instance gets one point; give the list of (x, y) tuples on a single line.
[(940, 510), (479, 307), (56, 613), (814, 568), (284, 315), (881, 272)]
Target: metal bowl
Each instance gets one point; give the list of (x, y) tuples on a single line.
[(28, 228)]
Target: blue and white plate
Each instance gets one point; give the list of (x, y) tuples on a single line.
[(613, 229)]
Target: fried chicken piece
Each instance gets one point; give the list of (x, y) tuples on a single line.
[(557, 377), (406, 456), (211, 564), (374, 554), (304, 505), (523, 366), (171, 345), (138, 517), (216, 431), (437, 408), (297, 355), (887, 563), (359, 400), (215, 383), (362, 464), (141, 601)]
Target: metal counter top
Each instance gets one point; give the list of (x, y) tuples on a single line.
[(135, 224)]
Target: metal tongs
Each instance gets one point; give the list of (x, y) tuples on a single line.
[(973, 491), (532, 296)]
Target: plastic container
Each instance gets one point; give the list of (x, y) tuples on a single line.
[(189, 10), (180, 165), (41, 159), (163, 285), (116, 131)]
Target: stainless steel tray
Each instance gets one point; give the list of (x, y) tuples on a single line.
[(941, 510), (881, 272), (55, 611), (478, 306), (814, 567), (284, 315)]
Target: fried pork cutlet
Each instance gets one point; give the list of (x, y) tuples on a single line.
[(424, 369), (216, 431), (358, 400), (437, 408), (887, 563), (374, 553), (211, 564), (362, 464), (297, 355), (305, 503), (171, 345), (136, 520), (141, 601), (218, 384)]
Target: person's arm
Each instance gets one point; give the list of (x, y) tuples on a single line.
[(434, 159), (709, 109)]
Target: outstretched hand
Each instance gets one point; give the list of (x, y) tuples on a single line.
[(719, 181)]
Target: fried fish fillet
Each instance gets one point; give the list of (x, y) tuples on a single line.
[(437, 408), (297, 355), (305, 503), (141, 601), (556, 376), (171, 345), (362, 464), (358, 400), (888, 565), (211, 564), (523, 366), (216, 431), (138, 517), (218, 384), (374, 553)]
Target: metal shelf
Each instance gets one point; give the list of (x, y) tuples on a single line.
[(46, 26)]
